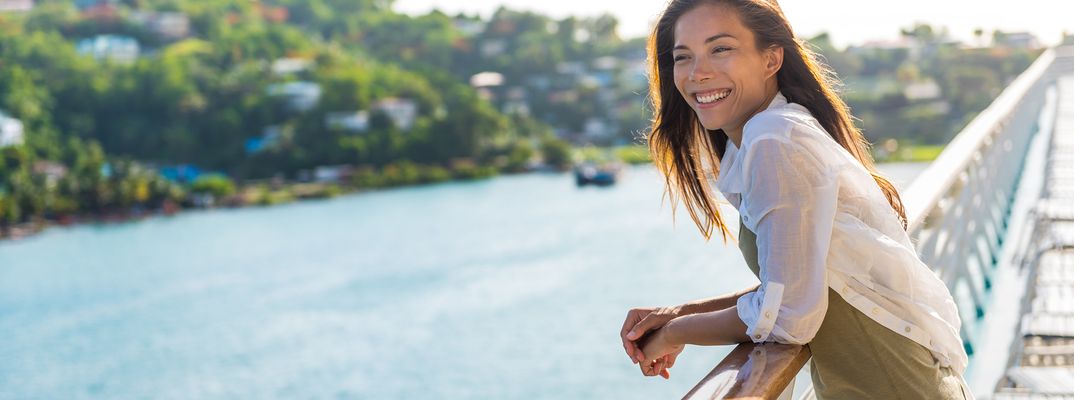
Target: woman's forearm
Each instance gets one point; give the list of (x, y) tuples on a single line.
[(713, 303), (708, 329)]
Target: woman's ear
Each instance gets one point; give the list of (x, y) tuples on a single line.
[(773, 60)]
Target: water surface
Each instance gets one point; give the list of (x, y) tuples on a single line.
[(515, 287)]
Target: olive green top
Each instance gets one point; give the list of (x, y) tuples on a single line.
[(854, 357)]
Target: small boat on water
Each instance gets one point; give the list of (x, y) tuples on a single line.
[(599, 175)]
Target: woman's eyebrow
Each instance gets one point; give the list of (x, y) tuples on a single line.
[(709, 40)]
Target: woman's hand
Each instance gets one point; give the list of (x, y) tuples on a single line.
[(656, 342), (638, 322)]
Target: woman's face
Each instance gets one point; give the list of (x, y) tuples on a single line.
[(718, 69)]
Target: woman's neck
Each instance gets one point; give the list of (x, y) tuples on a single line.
[(735, 133)]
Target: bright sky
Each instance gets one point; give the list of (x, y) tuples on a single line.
[(848, 21)]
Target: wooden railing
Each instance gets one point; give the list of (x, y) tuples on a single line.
[(957, 219), (753, 371)]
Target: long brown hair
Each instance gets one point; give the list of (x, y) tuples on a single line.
[(681, 147)]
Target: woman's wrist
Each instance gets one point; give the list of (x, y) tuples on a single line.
[(677, 311), (672, 331)]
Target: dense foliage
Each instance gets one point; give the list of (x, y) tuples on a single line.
[(99, 132)]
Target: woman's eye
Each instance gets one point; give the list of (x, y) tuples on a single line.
[(679, 57), (718, 50)]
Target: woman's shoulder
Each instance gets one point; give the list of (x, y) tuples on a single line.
[(795, 130), (787, 121)]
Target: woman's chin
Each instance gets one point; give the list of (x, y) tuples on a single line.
[(712, 126), (710, 122)]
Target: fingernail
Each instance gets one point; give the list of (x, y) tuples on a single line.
[(630, 335)]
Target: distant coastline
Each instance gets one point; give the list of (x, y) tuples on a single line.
[(902, 174)]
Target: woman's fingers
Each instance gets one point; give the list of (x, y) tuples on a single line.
[(641, 327), (654, 368), (638, 323), (631, 350), (647, 368), (669, 361), (632, 318), (661, 366), (651, 322), (658, 367)]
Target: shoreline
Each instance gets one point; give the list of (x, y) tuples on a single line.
[(249, 196), (243, 198), (32, 228)]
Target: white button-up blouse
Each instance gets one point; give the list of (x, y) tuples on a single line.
[(821, 221)]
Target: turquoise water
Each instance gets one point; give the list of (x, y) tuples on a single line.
[(509, 288)]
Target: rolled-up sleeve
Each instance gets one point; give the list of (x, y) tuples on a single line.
[(789, 201)]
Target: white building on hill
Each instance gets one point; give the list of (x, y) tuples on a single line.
[(120, 49), (401, 111), (11, 132)]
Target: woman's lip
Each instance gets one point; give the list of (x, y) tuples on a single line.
[(710, 105), (701, 105)]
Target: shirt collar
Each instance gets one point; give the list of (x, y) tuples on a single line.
[(729, 179)]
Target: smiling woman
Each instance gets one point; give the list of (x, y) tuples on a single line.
[(709, 68), (738, 97), (755, 51)]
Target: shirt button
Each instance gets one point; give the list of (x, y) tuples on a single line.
[(876, 310), (757, 336), (907, 329), (767, 314)]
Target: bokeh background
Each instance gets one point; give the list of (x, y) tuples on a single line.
[(392, 199)]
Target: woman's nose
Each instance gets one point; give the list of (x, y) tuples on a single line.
[(701, 71)]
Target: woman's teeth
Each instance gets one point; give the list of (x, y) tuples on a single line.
[(712, 97)]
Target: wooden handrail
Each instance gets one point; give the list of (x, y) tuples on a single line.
[(752, 371)]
